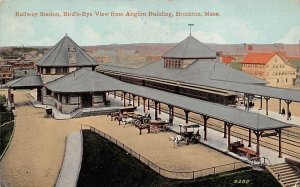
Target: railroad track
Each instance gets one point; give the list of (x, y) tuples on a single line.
[(289, 136)]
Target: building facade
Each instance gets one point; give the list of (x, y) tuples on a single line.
[(6, 74), (270, 67)]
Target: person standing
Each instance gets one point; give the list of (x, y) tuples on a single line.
[(289, 115), (283, 111)]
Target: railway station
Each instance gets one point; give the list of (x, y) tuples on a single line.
[(189, 77)]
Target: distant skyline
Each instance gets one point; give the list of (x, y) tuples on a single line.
[(243, 21)]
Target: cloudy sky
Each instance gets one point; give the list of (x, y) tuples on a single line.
[(240, 21)]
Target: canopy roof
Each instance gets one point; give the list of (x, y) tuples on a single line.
[(84, 80), (31, 81)]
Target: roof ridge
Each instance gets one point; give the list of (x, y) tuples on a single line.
[(187, 44), (52, 50), (174, 46), (203, 44)]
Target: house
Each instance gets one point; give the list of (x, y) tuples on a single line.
[(6, 73), (270, 66)]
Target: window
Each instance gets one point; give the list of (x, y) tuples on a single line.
[(48, 70), (286, 80), (59, 70)]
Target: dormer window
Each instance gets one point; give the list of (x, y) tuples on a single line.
[(173, 63)]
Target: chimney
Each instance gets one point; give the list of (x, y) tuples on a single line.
[(72, 55)]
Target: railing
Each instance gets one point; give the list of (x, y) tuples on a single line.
[(165, 172)]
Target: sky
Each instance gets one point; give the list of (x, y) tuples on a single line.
[(239, 21)]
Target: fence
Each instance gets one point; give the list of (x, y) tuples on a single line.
[(168, 173)]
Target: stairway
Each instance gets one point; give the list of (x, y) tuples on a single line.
[(76, 114), (285, 174)]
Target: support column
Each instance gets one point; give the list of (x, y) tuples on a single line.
[(205, 118), (288, 102), (258, 134), (144, 100), (279, 106), (229, 132), (249, 140), (124, 98), (170, 114), (225, 128), (133, 102), (248, 97), (115, 94), (148, 105), (159, 109), (279, 143), (186, 116), (155, 104), (267, 101), (138, 100), (260, 108)]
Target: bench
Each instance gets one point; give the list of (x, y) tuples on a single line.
[(246, 152)]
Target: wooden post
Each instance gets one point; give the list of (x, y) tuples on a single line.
[(279, 143), (229, 132), (258, 134), (115, 94), (170, 113), (159, 109), (144, 100), (279, 106), (124, 98), (260, 102), (267, 100), (148, 105), (249, 136), (288, 102), (155, 104), (138, 100), (225, 134), (186, 116), (248, 97), (133, 98), (173, 112), (205, 118)]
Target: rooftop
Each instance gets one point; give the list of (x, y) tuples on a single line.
[(258, 58), (58, 55), (84, 80), (191, 48)]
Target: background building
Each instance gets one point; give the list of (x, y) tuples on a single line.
[(271, 67)]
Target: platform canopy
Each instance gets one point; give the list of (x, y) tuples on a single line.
[(84, 80), (27, 82)]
